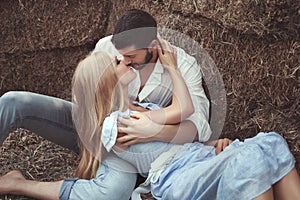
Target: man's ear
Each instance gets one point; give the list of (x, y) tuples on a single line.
[(154, 44)]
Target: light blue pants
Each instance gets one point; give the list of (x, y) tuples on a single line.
[(50, 118)]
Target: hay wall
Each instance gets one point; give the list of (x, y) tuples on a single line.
[(42, 42), (255, 45)]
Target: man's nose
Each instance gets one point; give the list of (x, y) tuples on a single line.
[(127, 61)]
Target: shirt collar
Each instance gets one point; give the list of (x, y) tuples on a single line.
[(153, 81)]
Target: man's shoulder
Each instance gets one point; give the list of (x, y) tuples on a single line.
[(183, 57), (104, 41), (105, 44)]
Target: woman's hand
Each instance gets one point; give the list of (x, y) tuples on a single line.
[(222, 144), (219, 144), (123, 142), (167, 54)]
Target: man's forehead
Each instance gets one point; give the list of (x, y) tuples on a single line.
[(127, 51)]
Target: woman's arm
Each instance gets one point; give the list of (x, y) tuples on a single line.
[(182, 105)]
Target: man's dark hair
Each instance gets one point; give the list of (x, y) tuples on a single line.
[(135, 27)]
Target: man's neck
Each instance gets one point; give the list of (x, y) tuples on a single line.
[(148, 69), (146, 72)]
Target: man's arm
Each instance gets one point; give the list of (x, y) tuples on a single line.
[(195, 127), (140, 129), (192, 75)]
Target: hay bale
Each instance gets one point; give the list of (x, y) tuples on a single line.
[(38, 25), (274, 19), (278, 18), (47, 72), (42, 42)]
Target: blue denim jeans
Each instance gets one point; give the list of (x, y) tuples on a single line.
[(50, 118)]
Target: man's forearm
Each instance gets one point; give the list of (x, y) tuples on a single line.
[(182, 133)]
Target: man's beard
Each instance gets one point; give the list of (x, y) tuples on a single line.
[(148, 57)]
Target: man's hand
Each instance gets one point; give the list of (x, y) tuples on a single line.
[(125, 141), (139, 125), (138, 129)]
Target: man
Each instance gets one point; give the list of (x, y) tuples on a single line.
[(51, 117), (135, 39)]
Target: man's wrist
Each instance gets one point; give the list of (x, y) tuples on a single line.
[(160, 128)]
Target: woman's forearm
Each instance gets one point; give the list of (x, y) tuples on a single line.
[(182, 105)]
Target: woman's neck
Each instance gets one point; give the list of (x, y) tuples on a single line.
[(125, 97)]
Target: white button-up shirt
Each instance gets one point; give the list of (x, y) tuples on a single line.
[(158, 88)]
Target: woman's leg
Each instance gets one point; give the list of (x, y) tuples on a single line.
[(288, 187), (15, 183), (268, 195), (46, 116)]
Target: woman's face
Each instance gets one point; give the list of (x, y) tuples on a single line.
[(125, 73)]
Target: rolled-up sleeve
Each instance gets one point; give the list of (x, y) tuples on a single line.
[(192, 75)]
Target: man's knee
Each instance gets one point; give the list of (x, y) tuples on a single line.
[(111, 185), (121, 186), (12, 99)]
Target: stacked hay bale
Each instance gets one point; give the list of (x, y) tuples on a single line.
[(273, 18), (43, 41)]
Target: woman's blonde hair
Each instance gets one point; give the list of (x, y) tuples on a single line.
[(96, 92)]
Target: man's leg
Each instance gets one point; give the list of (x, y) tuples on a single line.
[(46, 116), (109, 184), (115, 180)]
